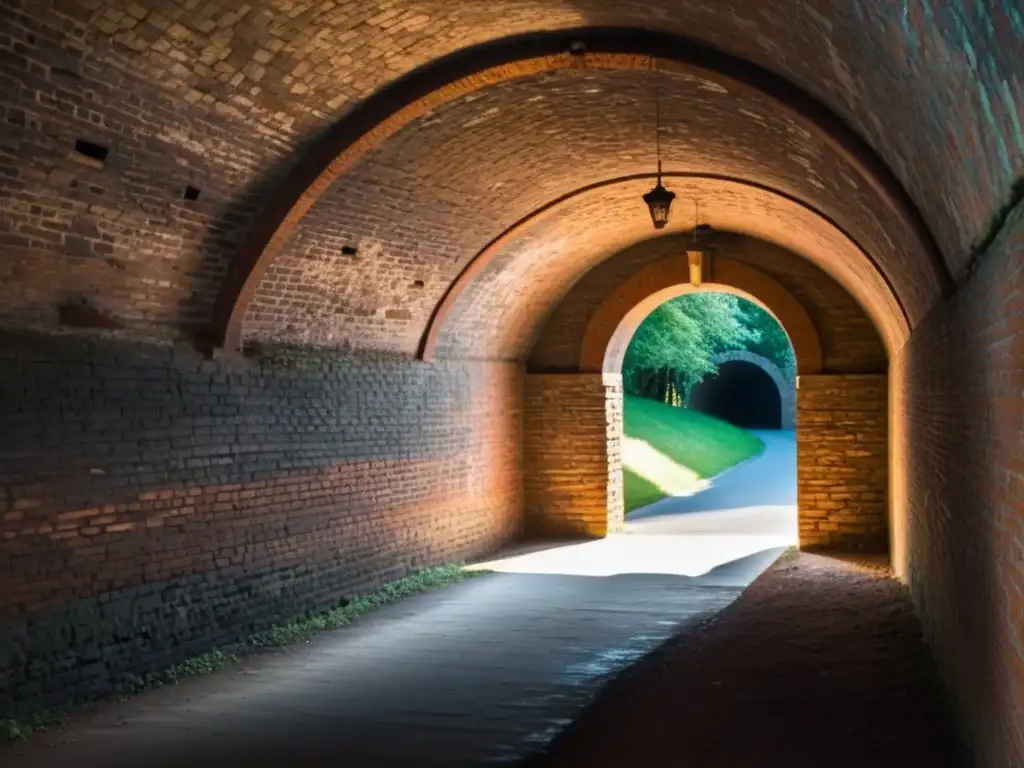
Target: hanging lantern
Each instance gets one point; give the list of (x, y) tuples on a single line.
[(659, 203), (658, 200)]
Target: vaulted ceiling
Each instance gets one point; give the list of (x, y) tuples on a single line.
[(474, 167), (423, 204)]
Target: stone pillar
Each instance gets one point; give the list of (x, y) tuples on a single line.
[(572, 454), (842, 461)]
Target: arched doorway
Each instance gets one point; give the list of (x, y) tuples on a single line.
[(574, 427), (725, 468)]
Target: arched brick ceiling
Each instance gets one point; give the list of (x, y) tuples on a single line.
[(426, 201), (849, 340), (502, 311), (229, 95), (936, 87)]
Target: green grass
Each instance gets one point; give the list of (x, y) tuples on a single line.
[(638, 491), (682, 448), (280, 635), (433, 578)]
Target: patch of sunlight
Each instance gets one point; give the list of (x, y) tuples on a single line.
[(738, 559), (672, 478)]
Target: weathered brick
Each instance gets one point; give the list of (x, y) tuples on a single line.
[(850, 343), (959, 387), (571, 450), (334, 478)]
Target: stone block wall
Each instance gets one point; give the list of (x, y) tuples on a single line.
[(155, 504), (572, 454), (842, 461), (960, 513)]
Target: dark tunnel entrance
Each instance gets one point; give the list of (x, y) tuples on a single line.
[(741, 394)]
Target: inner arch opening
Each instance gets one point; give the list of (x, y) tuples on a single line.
[(704, 377)]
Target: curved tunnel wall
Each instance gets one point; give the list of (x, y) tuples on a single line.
[(740, 393), (132, 468)]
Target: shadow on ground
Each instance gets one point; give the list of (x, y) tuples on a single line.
[(819, 663), (481, 672)]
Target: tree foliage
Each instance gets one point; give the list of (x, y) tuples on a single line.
[(672, 349), (774, 343)]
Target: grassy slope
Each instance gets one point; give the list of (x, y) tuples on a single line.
[(696, 442)]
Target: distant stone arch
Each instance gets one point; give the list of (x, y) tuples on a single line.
[(785, 381)]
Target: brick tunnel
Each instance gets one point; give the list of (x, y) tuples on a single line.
[(297, 298)]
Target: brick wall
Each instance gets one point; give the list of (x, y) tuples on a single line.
[(571, 449), (155, 504), (842, 497), (842, 461), (962, 502), (118, 234)]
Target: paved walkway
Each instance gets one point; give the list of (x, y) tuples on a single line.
[(819, 663), (483, 672), (756, 498)]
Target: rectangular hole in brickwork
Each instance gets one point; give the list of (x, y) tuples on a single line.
[(91, 151), (418, 283), (81, 314), (348, 250), (191, 193)]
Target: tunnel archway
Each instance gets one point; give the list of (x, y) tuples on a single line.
[(573, 444), (636, 300), (376, 186), (783, 381), (740, 393)]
